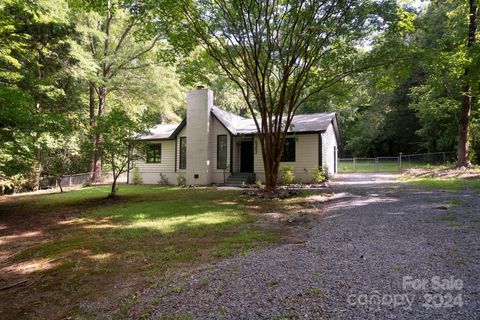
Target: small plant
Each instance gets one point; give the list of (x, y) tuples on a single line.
[(181, 179), (448, 218), (456, 225), (272, 282), (177, 290), (289, 315), (326, 172), (163, 180), (396, 267), (137, 177), (316, 292), (287, 176), (319, 175), (456, 202), (205, 282)]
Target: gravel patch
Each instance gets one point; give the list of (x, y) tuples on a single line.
[(372, 234)]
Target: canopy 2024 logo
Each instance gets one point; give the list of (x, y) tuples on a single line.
[(441, 293)]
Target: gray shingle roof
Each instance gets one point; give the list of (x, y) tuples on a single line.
[(315, 122), (300, 123), (160, 131)]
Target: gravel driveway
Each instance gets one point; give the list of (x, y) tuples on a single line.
[(382, 249)]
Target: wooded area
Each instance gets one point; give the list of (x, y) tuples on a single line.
[(79, 77)]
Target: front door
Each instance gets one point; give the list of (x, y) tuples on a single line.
[(246, 156)]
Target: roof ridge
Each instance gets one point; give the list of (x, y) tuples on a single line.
[(233, 114)]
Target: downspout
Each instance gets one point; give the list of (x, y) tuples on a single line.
[(231, 153), (320, 155), (176, 138)]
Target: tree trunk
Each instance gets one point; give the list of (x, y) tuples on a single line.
[(37, 169), (102, 95), (59, 181), (113, 192), (271, 162), (37, 165), (92, 168), (463, 128), (463, 151)]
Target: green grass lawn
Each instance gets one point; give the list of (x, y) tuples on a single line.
[(363, 166), (85, 245)]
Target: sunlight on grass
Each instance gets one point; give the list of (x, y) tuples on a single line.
[(448, 184), (31, 266), (173, 224)]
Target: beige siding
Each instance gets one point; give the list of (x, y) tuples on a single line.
[(329, 145), (216, 129), (306, 158), (150, 172)]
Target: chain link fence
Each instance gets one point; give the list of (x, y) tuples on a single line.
[(397, 164), (80, 179)]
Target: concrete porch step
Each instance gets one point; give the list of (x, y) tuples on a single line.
[(239, 178)]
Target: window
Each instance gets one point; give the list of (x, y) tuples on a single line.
[(288, 150), (221, 152), (183, 153), (154, 153)]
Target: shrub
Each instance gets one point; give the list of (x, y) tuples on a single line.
[(181, 179), (163, 180), (319, 175), (325, 173), (137, 177), (287, 176)]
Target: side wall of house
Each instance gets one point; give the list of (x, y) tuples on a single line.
[(150, 172), (216, 129), (306, 158), (329, 150)]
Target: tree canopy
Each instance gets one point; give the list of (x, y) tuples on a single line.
[(401, 78)]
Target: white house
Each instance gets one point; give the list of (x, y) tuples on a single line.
[(215, 146)]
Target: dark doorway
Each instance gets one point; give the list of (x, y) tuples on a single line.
[(246, 156)]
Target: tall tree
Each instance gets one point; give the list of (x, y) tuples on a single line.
[(449, 58), (36, 63), (466, 104), (119, 49), (281, 53)]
